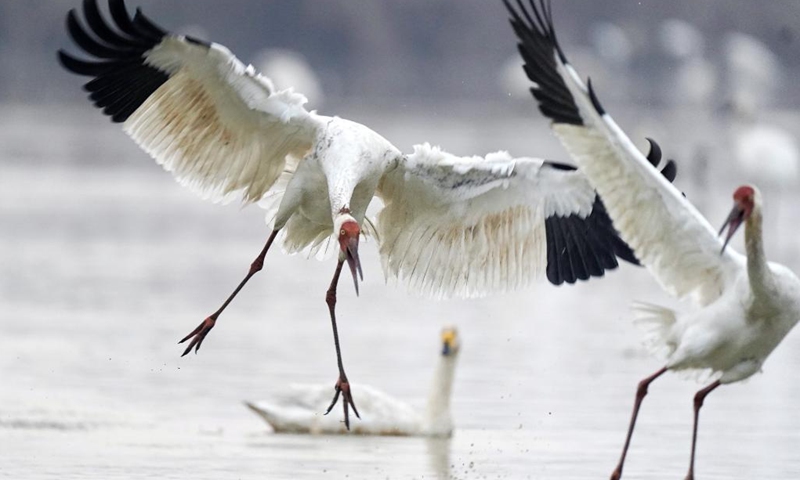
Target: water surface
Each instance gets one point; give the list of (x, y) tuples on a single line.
[(106, 262)]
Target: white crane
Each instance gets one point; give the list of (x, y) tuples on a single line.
[(381, 414), (744, 306), (451, 225)]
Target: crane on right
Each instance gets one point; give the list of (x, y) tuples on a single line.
[(742, 305)]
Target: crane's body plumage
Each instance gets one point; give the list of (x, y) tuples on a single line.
[(733, 335), (466, 226), (340, 174), (668, 235), (743, 306), (222, 129)]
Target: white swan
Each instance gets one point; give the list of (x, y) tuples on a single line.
[(302, 409)]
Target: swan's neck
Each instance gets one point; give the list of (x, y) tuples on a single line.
[(438, 420), (758, 271)]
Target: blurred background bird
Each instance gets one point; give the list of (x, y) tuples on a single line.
[(300, 410)]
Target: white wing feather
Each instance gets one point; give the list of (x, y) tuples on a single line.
[(472, 226), (218, 126), (667, 233)]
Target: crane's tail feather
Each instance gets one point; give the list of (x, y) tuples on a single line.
[(658, 325)]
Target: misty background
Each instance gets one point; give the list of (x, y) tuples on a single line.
[(106, 261), (433, 50)]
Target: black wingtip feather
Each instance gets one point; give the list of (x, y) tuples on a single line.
[(197, 41), (579, 248), (604, 228), (566, 269), (595, 101), (579, 258), (123, 81), (540, 51), (560, 166), (147, 26), (94, 18), (119, 13), (625, 252), (84, 40), (81, 67), (552, 261), (548, 25), (654, 155), (670, 171)]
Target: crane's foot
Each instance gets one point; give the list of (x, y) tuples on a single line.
[(616, 474), (199, 334), (343, 387)]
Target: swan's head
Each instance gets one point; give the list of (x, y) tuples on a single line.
[(348, 231), (450, 342), (745, 199)]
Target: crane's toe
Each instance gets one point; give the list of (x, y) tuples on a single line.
[(198, 335), (343, 387)]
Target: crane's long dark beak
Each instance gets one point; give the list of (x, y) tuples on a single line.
[(734, 221), (351, 254)]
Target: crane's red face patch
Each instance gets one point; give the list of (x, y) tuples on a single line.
[(350, 230), (743, 202), (348, 242), (744, 197)]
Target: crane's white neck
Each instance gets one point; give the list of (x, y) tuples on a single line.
[(759, 274), (353, 162), (340, 218), (438, 420)]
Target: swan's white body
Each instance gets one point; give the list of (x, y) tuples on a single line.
[(301, 409), (743, 306)]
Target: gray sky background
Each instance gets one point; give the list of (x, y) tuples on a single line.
[(449, 50)]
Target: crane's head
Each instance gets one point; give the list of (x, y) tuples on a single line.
[(744, 201), (348, 231), (450, 342)]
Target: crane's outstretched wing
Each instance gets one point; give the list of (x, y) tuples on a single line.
[(216, 124), (667, 234), (472, 226)]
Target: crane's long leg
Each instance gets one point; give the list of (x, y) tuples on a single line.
[(698, 402), (342, 385), (641, 391), (199, 333)]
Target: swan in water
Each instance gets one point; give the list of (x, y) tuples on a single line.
[(300, 410)]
